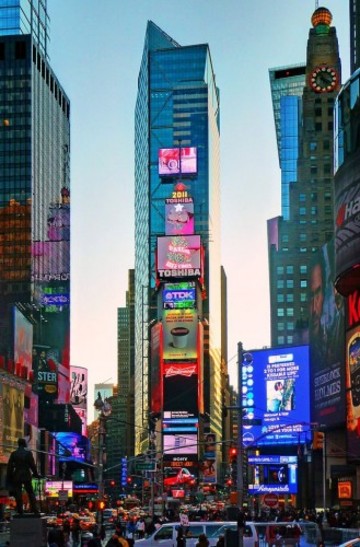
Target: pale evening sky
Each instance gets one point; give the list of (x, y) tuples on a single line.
[(95, 51)]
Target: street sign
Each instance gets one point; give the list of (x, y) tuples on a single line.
[(271, 500), (145, 466)]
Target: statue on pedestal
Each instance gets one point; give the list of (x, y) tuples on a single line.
[(20, 470)]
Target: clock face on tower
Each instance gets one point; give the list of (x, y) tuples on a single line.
[(323, 79)]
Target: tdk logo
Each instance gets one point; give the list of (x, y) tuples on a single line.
[(348, 210), (179, 295)]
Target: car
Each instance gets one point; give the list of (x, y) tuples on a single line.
[(166, 535), (182, 477), (351, 543)]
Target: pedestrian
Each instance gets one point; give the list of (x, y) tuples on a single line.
[(117, 539), (221, 541), (75, 533), (20, 470), (140, 528), (180, 538), (202, 541)]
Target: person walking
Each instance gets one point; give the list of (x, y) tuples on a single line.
[(20, 470)]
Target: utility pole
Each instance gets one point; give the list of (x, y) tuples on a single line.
[(104, 410), (240, 448)]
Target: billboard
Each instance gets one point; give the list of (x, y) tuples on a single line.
[(275, 395), (177, 161), (180, 443), (178, 256), (353, 393), (12, 414), (272, 474), (208, 464), (52, 488), (179, 217), (78, 387), (23, 340), (72, 447), (180, 334), (156, 387), (180, 382), (176, 296), (45, 373), (327, 341)]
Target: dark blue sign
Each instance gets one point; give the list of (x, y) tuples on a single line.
[(275, 389), (123, 472)]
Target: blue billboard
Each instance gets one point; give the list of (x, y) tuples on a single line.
[(273, 474), (275, 396)]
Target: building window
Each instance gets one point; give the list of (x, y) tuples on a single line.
[(290, 325), (313, 170), (314, 210), (280, 284), (289, 269), (280, 270), (280, 312), (318, 126), (290, 297), (281, 340), (302, 237), (303, 268), (313, 146), (289, 283), (303, 297), (290, 312), (280, 326), (285, 238), (302, 197), (280, 298), (303, 283), (302, 211), (290, 339)]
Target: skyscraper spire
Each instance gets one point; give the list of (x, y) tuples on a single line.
[(316, 4)]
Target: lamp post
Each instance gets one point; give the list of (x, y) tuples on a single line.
[(104, 411)]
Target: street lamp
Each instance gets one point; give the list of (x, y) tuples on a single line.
[(104, 409)]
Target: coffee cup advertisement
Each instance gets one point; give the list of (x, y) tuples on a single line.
[(180, 330)]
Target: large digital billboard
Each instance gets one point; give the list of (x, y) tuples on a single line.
[(180, 443), (177, 161), (78, 386), (178, 256), (353, 378), (72, 447), (23, 340), (275, 395), (11, 415), (156, 385), (45, 373), (180, 334), (272, 474), (179, 217), (180, 382), (176, 296), (327, 341)]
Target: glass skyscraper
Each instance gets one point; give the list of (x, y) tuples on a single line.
[(287, 85), (177, 106), (26, 17)]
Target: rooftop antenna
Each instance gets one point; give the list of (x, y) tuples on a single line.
[(316, 4)]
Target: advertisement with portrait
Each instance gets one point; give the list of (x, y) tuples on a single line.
[(353, 393), (156, 385), (272, 474), (178, 256), (23, 340), (78, 387), (208, 464), (177, 161), (12, 406), (180, 334), (179, 217), (275, 394), (72, 447), (180, 387), (45, 373), (327, 341)]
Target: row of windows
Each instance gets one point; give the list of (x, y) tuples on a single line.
[(280, 270), (281, 340), (289, 284)]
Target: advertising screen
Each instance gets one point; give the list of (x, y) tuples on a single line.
[(275, 474), (180, 471), (23, 340), (78, 387), (179, 218), (72, 447), (327, 341), (180, 334), (178, 296), (208, 465), (177, 161), (178, 256), (275, 395), (180, 387), (52, 488), (45, 373), (180, 443), (156, 386), (353, 393), (12, 413)]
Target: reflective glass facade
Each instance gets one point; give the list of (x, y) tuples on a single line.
[(34, 198), (177, 105), (287, 85), (26, 17)]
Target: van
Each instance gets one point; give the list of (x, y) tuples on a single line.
[(166, 535)]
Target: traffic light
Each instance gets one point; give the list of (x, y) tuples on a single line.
[(233, 464), (112, 483), (101, 505)]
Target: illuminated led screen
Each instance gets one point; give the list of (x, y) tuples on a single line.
[(177, 161)]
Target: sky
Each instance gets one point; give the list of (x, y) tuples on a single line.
[(95, 52)]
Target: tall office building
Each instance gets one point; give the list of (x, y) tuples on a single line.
[(354, 7), (177, 158), (292, 242), (34, 218), (287, 85), (26, 17)]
